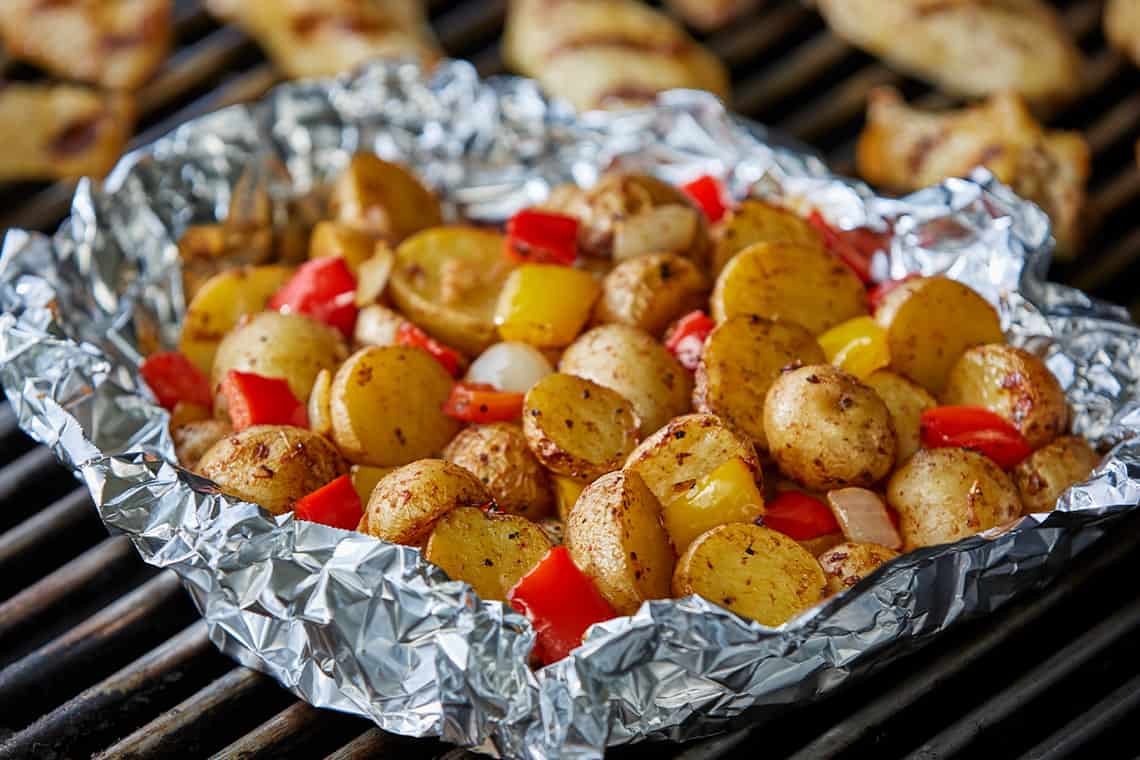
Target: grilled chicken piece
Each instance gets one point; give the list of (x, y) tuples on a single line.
[(313, 38), (707, 15), (58, 131), (606, 53), (904, 148), (966, 47), (112, 43), (1122, 27)]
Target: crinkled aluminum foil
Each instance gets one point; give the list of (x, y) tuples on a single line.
[(350, 623)]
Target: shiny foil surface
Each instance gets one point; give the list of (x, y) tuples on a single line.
[(348, 622)]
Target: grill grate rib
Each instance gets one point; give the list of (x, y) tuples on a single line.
[(77, 608)]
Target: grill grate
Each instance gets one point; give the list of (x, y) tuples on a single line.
[(102, 656)]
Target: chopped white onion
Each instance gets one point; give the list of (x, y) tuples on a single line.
[(863, 517), (512, 367)]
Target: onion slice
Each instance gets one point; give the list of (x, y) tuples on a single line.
[(863, 517), (509, 366)]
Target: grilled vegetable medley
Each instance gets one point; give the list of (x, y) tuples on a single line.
[(634, 391)]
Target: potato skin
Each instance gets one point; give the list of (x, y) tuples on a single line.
[(271, 344), (272, 465), (1046, 473), (942, 495), (386, 406), (193, 439), (577, 428), (650, 291), (930, 321), (497, 454), (848, 563), (615, 536), (687, 448), (753, 571), (488, 550), (791, 282), (827, 430), (906, 400), (406, 502), (631, 362), (742, 357), (1013, 383), (756, 221)]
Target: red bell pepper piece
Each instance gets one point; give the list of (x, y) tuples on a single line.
[(336, 504), (799, 516), (324, 289), (977, 428), (686, 340), (256, 400), (561, 602), (855, 248), (708, 193), (876, 294), (542, 237), (479, 402), (409, 335), (173, 378)]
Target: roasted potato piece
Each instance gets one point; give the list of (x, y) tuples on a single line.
[(827, 430), (207, 249), (930, 321), (606, 53), (319, 38), (847, 564), (447, 280), (906, 402), (708, 15), (490, 551), (116, 44), (789, 282), (271, 465), (754, 222), (651, 291), (742, 357), (61, 131), (406, 503), (966, 48), (578, 428), (383, 199), (635, 365), (193, 439), (386, 406), (377, 326), (755, 572), (688, 448), (942, 495), (497, 454), (365, 477), (1048, 472), (1013, 383), (614, 535), (338, 239), (904, 149), (1122, 27), (628, 215), (319, 404), (220, 304), (289, 346), (545, 305)]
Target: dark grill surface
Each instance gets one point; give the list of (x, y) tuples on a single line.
[(103, 656)]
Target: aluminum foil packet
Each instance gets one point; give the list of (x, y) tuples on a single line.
[(350, 623)]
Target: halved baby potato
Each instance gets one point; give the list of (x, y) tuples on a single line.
[(383, 199), (488, 550), (756, 221), (447, 280), (614, 535), (1045, 474), (406, 503), (498, 455), (906, 401), (753, 571), (578, 428)]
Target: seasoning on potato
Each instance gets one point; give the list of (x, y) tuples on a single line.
[(193, 439), (1046, 473), (406, 503), (847, 564), (651, 291), (753, 571), (497, 454), (578, 428)]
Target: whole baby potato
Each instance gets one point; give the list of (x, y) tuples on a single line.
[(1045, 474), (193, 439), (406, 503), (289, 346), (497, 454), (272, 465), (827, 430), (848, 563), (651, 291), (942, 495)]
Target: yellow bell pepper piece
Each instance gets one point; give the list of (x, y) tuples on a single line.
[(336, 239), (728, 494), (545, 305), (566, 492), (858, 346)]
